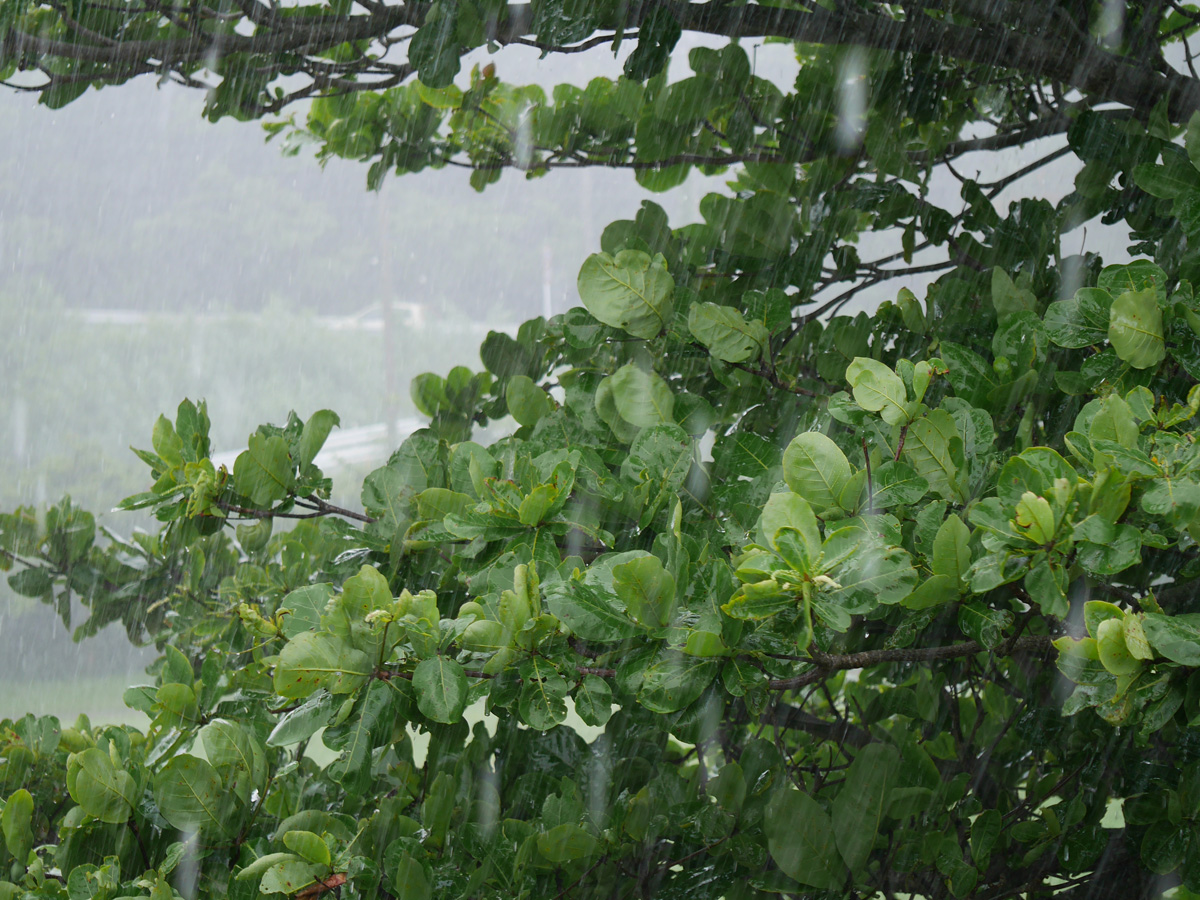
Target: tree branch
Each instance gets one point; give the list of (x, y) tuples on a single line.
[(827, 663)]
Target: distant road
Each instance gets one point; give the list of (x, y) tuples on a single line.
[(370, 318)]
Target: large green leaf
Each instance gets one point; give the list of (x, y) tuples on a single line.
[(630, 291), (408, 878), (872, 575), (674, 681), (305, 607), (191, 797), (567, 842), (878, 389), (315, 432), (235, 752), (303, 722), (1175, 637), (726, 334), (647, 589), (789, 510), (263, 472), (801, 840), (101, 789), (951, 550), (526, 401), (859, 806), (370, 723), (1135, 328), (1080, 321), (593, 700), (642, 398), (441, 687), (815, 468), (16, 821), (542, 702), (935, 450), (313, 660), (589, 611)]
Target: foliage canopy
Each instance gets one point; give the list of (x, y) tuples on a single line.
[(901, 602)]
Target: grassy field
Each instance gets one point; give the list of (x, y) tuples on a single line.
[(98, 697)]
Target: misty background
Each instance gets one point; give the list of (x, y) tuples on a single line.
[(147, 255)]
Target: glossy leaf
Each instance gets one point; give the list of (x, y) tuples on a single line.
[(801, 839), (630, 291)]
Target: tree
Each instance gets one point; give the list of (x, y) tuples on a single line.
[(899, 603)]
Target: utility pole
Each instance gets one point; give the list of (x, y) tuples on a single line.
[(386, 292), (547, 283)]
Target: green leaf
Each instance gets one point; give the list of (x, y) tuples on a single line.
[(35, 582), (726, 334), (657, 36), (369, 725), (740, 453), (630, 291), (642, 398), (1080, 321), (1192, 140), (1163, 847), (985, 831), (1175, 179), (441, 687), (236, 753), (1135, 328), (437, 503), (313, 660), (526, 401), (263, 472), (409, 881), (302, 722), (542, 703), (306, 605), (1114, 652), (565, 843), (288, 876), (102, 790), (1175, 637), (983, 624), (590, 612), (896, 484), (313, 437), (659, 458), (259, 867), (308, 845), (1007, 298), (190, 796), (593, 701), (674, 681), (167, 444), (815, 468), (434, 50), (951, 550), (647, 589), (859, 806), (877, 388), (935, 450), (16, 822), (365, 592), (874, 574), (801, 840), (789, 510), (1047, 586)]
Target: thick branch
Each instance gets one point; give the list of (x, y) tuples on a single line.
[(1081, 64), (826, 663)]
